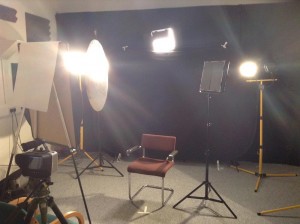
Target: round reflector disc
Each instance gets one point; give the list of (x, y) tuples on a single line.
[(96, 77)]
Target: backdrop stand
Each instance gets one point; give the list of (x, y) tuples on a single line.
[(212, 80), (260, 174)]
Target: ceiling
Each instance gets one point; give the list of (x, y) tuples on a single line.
[(64, 6)]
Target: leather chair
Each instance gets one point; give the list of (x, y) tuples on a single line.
[(147, 165)]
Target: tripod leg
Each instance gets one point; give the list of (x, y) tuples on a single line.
[(65, 159), (44, 210), (101, 161), (56, 211), (88, 166), (32, 207), (112, 166), (188, 195), (81, 189), (257, 183), (222, 200)]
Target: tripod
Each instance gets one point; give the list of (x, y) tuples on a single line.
[(260, 173), (41, 200), (206, 183), (101, 165)]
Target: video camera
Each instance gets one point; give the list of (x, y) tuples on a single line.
[(37, 163)]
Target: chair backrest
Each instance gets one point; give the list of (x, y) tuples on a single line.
[(159, 142), (11, 213)]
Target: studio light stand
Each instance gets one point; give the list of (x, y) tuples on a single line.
[(212, 81), (260, 174), (95, 84), (93, 161), (100, 157)]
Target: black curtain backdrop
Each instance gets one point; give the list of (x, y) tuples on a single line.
[(159, 94)]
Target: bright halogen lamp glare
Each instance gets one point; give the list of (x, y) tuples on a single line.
[(74, 62), (163, 40), (248, 69), (93, 67)]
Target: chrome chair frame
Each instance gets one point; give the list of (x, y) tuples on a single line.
[(170, 158)]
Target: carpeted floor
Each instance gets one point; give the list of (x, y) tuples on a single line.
[(106, 194)]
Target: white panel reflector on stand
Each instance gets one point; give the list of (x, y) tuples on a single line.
[(49, 126), (37, 62)]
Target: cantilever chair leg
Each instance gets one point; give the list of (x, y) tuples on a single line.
[(162, 188)]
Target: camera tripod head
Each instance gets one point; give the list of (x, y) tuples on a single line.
[(39, 187)]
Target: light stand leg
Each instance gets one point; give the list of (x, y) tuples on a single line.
[(207, 186), (260, 173), (81, 189), (56, 210), (101, 158), (278, 210), (81, 148), (71, 151), (33, 206)]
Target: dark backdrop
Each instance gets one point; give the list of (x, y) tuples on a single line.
[(151, 93)]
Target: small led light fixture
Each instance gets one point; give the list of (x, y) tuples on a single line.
[(163, 40)]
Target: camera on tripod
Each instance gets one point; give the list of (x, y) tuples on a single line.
[(37, 163)]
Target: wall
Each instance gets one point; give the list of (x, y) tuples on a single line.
[(37, 8)]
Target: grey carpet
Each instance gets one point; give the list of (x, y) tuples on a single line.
[(107, 194)]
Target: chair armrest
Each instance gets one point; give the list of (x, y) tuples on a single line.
[(71, 214), (172, 155), (131, 150)]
